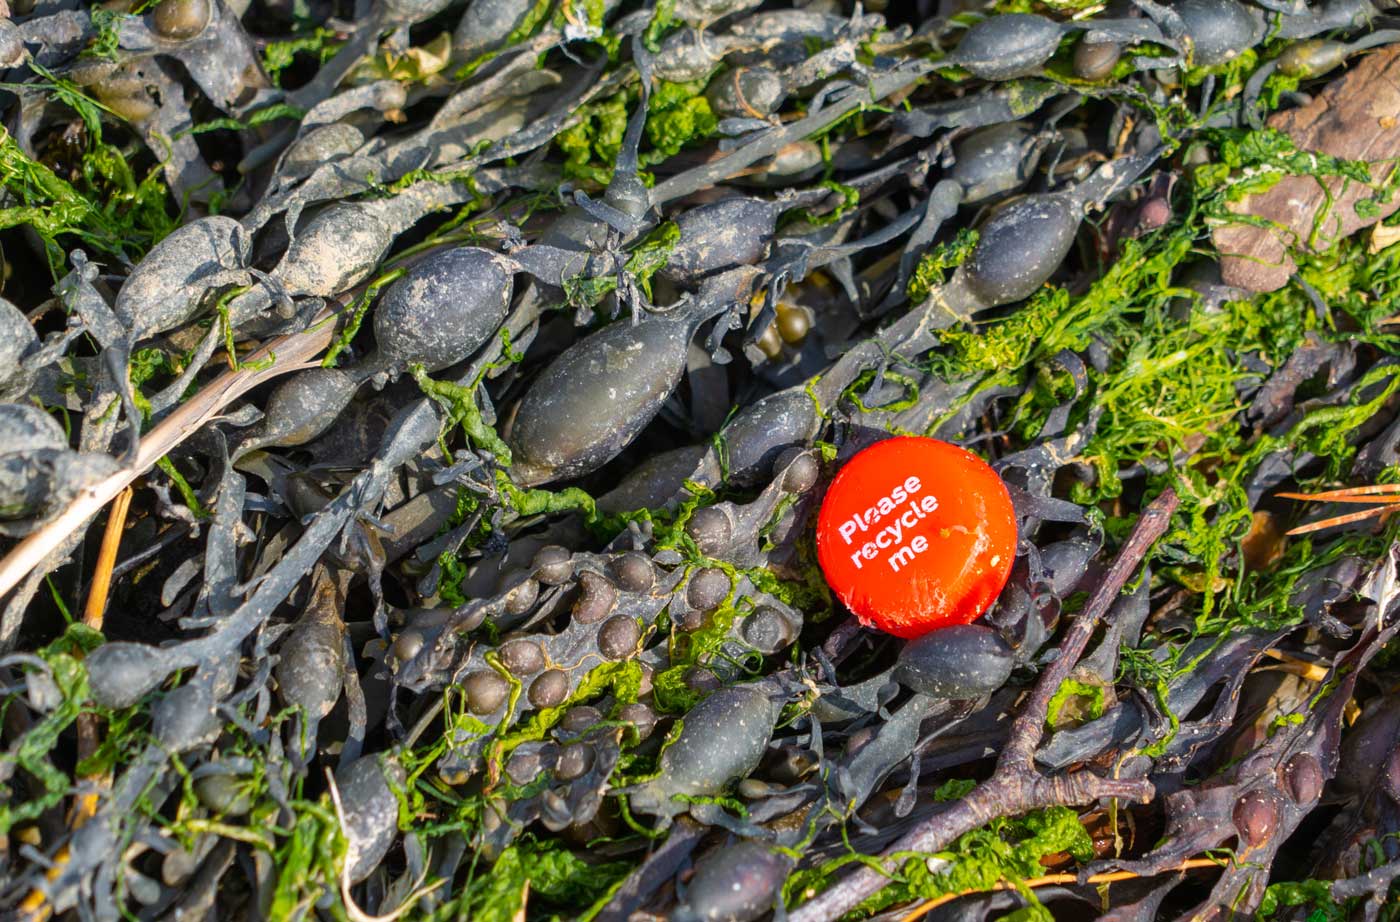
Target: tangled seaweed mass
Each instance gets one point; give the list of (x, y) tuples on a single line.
[(416, 414)]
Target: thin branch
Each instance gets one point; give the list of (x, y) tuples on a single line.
[(1029, 727), (1050, 880), (96, 606), (93, 614), (1347, 519)]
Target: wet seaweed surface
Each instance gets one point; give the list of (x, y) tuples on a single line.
[(414, 413)]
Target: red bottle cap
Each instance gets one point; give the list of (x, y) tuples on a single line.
[(916, 534)]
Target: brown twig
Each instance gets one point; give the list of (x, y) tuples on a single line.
[(106, 559), (1347, 519), (1050, 880), (1016, 787), (93, 613), (282, 355)]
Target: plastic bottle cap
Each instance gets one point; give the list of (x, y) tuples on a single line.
[(916, 534)]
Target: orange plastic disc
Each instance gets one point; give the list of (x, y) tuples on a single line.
[(916, 534)]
